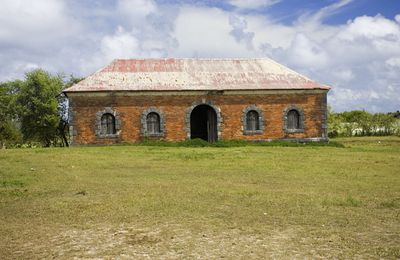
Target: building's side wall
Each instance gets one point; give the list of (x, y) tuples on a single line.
[(175, 107)]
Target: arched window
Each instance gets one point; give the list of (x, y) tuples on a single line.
[(153, 123), (252, 121), (108, 124), (293, 119)]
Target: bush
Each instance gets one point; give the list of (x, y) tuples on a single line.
[(362, 123), (9, 134)]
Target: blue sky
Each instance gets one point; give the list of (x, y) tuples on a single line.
[(351, 45), (291, 9), (287, 11)]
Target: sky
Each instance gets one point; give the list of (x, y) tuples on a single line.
[(351, 45)]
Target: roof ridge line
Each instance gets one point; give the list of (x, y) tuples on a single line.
[(186, 58)]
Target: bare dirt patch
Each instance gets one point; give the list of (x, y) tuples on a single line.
[(177, 242), (165, 242)]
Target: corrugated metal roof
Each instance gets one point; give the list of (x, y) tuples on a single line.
[(194, 74)]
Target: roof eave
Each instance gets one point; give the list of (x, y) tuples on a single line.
[(326, 88)]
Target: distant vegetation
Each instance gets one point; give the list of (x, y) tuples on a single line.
[(363, 123)]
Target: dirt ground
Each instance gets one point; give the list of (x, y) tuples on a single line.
[(176, 242)]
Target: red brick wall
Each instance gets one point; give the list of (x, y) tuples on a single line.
[(130, 109)]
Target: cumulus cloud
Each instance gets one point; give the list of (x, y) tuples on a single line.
[(143, 30), (206, 32), (370, 28), (39, 21), (239, 26), (306, 53), (119, 45), (33, 34), (394, 62), (135, 11), (358, 59), (397, 18), (343, 75), (360, 62)]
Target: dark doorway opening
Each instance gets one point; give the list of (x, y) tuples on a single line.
[(203, 123)]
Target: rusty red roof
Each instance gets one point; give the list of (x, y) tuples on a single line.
[(194, 74)]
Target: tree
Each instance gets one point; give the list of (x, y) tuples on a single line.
[(349, 123), (9, 131), (37, 105), (389, 124), (334, 123), (363, 120)]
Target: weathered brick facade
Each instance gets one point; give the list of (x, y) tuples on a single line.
[(175, 107)]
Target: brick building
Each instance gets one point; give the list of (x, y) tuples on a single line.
[(212, 99)]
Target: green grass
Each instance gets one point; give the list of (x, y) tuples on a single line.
[(152, 201)]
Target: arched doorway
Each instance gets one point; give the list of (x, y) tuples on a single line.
[(203, 123)]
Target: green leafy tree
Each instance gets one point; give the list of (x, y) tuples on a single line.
[(9, 130), (389, 124), (349, 123), (362, 123), (363, 120), (37, 104), (377, 123), (335, 126)]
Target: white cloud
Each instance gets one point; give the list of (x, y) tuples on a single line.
[(358, 59), (135, 11), (397, 18), (370, 28), (394, 62), (325, 12), (369, 47), (35, 34), (143, 31), (120, 45), (206, 32), (35, 22), (306, 54), (343, 75), (252, 4), (239, 27)]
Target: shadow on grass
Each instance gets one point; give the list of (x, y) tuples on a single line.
[(234, 143)]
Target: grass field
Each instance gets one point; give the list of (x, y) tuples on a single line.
[(251, 202)]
